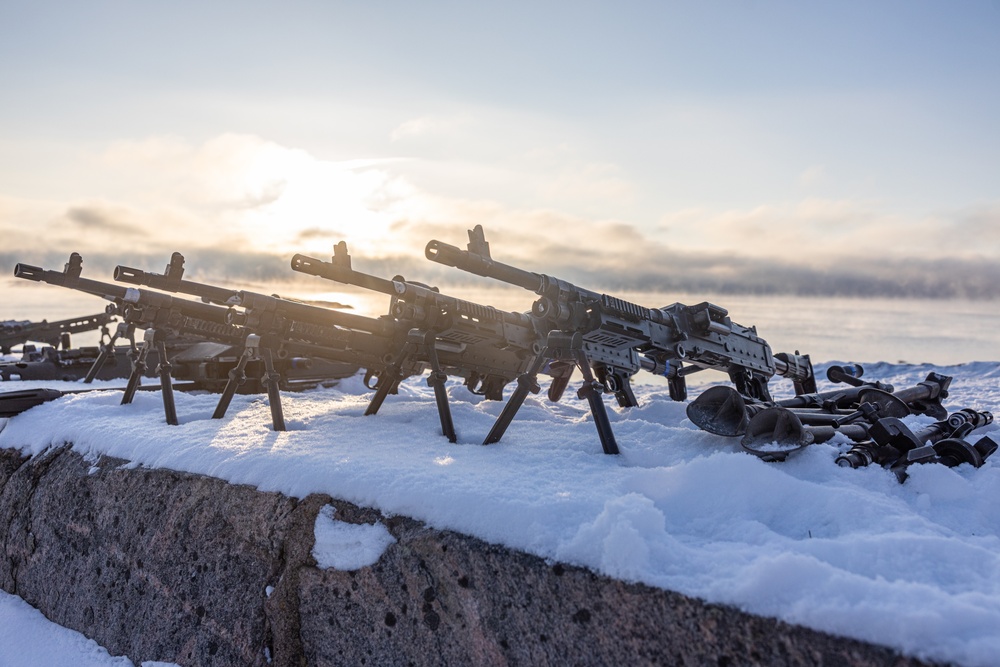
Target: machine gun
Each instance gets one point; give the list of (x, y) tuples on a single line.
[(273, 324), (56, 334), (390, 348), (617, 338), (488, 347), (159, 314)]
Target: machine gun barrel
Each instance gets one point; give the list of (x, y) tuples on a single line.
[(340, 270), (479, 263), (123, 296), (171, 281)]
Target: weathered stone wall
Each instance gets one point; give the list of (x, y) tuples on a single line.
[(159, 565)]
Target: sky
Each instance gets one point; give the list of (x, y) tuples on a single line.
[(765, 147)]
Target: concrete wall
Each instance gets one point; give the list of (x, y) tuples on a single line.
[(159, 565)]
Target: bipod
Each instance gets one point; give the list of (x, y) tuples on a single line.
[(153, 338), (436, 380), (527, 382), (559, 347), (593, 391), (123, 329), (253, 350), (388, 381)]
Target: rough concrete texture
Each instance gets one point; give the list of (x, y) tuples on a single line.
[(160, 565)]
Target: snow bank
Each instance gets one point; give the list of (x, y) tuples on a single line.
[(913, 566)]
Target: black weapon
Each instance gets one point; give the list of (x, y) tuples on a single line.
[(509, 341), (56, 334), (774, 433), (49, 363), (701, 335), (158, 313), (390, 349), (616, 338), (273, 325)]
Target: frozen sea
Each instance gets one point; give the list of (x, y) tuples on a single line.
[(878, 329)]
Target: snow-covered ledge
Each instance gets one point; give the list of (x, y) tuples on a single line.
[(162, 565)]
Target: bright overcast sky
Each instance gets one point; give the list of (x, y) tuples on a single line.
[(754, 143)]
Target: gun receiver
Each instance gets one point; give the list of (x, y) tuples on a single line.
[(615, 332)]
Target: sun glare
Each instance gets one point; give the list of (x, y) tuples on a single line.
[(297, 203)]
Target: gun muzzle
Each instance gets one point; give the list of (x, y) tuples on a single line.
[(848, 374), (449, 255), (29, 272), (127, 274)]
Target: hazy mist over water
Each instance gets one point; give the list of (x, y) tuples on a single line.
[(936, 331)]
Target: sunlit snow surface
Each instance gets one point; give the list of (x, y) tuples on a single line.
[(914, 566)]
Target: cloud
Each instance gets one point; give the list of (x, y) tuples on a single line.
[(99, 217), (239, 207)]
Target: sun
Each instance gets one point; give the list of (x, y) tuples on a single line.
[(298, 203)]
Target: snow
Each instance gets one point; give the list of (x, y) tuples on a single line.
[(915, 566), (348, 546), (28, 639)]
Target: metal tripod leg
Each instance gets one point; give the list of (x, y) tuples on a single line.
[(593, 392), (237, 377), (271, 381), (108, 350), (437, 380), (389, 379), (153, 337), (527, 382), (135, 378)]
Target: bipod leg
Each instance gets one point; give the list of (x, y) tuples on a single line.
[(164, 367), (107, 350), (237, 376), (388, 381), (593, 392), (271, 381), (135, 378), (437, 380), (527, 382)]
